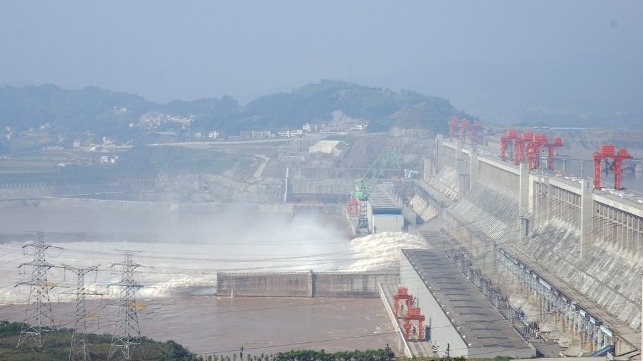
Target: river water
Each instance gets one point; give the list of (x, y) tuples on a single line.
[(178, 254), (209, 325)]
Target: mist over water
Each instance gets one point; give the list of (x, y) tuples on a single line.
[(180, 251)]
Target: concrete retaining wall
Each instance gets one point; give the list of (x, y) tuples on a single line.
[(351, 284), (302, 284), (264, 284)]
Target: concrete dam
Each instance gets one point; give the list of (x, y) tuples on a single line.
[(575, 252), (569, 256)]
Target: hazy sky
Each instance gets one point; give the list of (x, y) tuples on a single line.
[(164, 50)]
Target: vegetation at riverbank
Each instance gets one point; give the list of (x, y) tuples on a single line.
[(385, 354), (57, 347)]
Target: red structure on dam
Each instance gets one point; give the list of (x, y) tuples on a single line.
[(612, 161)]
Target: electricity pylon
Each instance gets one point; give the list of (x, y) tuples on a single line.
[(39, 317), (78, 348), (126, 332)]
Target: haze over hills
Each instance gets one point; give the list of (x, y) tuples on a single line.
[(112, 114), (575, 63), (122, 116)]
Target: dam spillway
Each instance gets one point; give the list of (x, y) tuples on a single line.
[(552, 241), (583, 247)]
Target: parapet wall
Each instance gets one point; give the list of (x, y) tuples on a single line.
[(303, 284)]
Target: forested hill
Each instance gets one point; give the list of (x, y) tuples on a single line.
[(113, 113)]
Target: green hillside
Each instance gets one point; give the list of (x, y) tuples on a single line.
[(113, 114)]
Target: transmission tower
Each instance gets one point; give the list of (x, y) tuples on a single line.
[(78, 349), (39, 317), (126, 332)]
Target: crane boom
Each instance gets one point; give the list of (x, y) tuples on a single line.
[(365, 185)]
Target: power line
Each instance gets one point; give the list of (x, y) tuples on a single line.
[(126, 331), (39, 317), (78, 348)]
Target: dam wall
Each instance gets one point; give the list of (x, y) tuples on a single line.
[(590, 241), (185, 188), (303, 284), (486, 217), (585, 241), (332, 190), (601, 255)]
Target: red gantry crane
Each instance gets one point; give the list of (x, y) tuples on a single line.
[(532, 145), (511, 137), (411, 319), (537, 144), (557, 143), (463, 127), (452, 124), (472, 130), (538, 141), (613, 162), (520, 145), (402, 295)]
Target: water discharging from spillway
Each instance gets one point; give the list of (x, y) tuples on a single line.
[(180, 252)]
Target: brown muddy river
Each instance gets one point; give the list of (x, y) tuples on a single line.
[(221, 325)]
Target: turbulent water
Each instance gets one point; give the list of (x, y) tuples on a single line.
[(179, 250), (180, 253)]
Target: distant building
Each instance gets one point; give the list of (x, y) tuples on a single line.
[(245, 134), (341, 123), (105, 159), (261, 134), (325, 147), (290, 133), (256, 134)]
